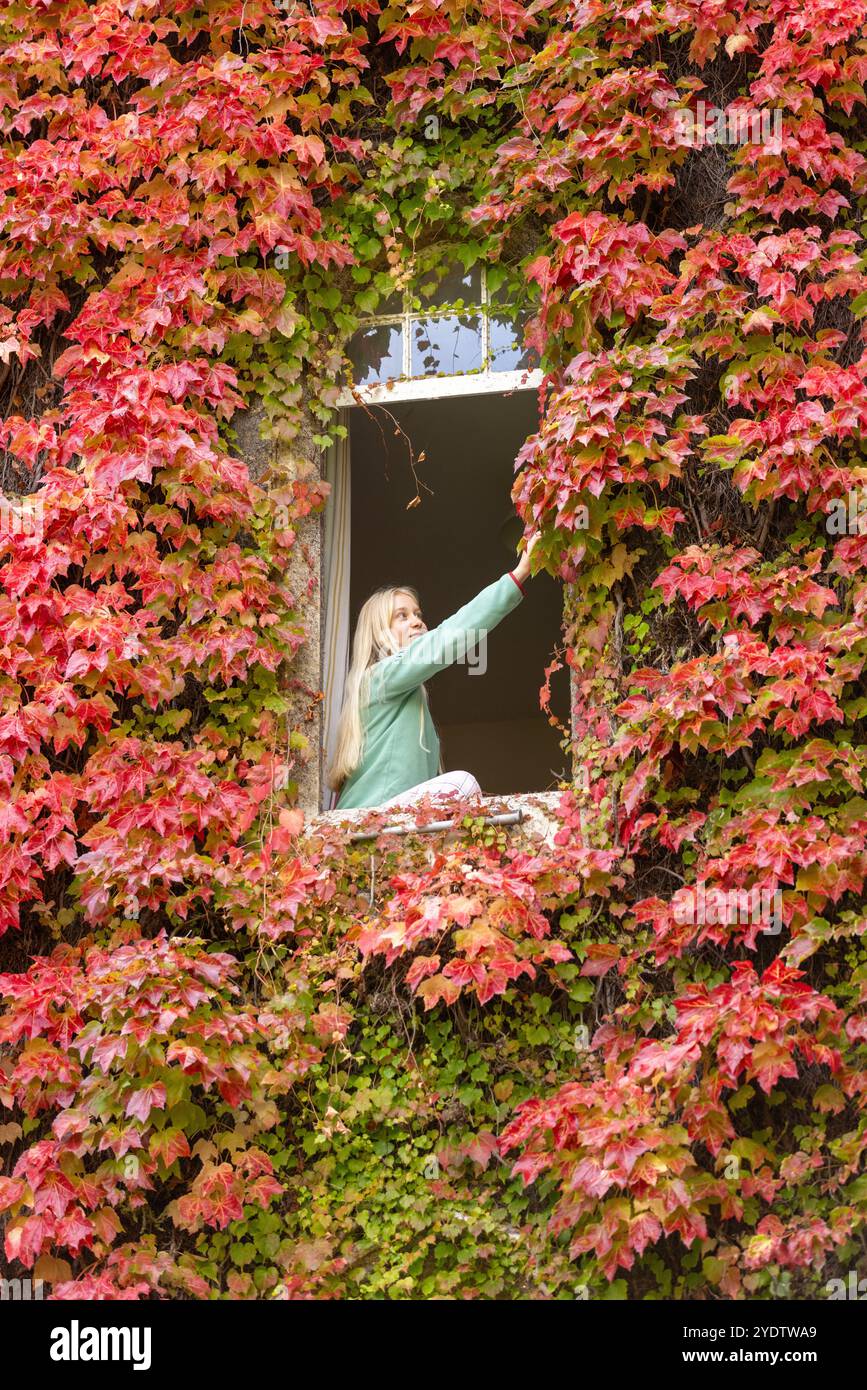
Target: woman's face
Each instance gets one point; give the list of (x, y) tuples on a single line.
[(406, 619)]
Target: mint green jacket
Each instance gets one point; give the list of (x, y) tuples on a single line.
[(396, 712)]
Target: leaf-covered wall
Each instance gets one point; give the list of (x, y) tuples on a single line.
[(516, 1071)]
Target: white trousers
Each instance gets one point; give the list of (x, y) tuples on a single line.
[(462, 783)]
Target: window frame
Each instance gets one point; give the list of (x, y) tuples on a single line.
[(408, 387), (417, 388)]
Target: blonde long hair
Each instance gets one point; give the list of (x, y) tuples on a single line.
[(373, 640)]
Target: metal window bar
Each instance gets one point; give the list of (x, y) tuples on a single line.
[(504, 818), (486, 366)]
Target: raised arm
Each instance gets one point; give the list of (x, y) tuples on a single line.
[(433, 651)]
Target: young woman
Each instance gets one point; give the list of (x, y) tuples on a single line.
[(388, 751)]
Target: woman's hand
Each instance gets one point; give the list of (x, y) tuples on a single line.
[(522, 569)]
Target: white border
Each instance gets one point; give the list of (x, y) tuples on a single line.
[(426, 388)]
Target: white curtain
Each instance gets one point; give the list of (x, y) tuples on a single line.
[(335, 583)]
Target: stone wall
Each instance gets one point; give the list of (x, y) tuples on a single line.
[(268, 465)]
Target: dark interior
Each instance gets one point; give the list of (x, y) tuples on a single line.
[(449, 547)]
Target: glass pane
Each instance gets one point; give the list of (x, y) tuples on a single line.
[(505, 331), (501, 294), (376, 353), (451, 343), (457, 283), (392, 304)]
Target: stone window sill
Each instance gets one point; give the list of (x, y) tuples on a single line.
[(531, 814)]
